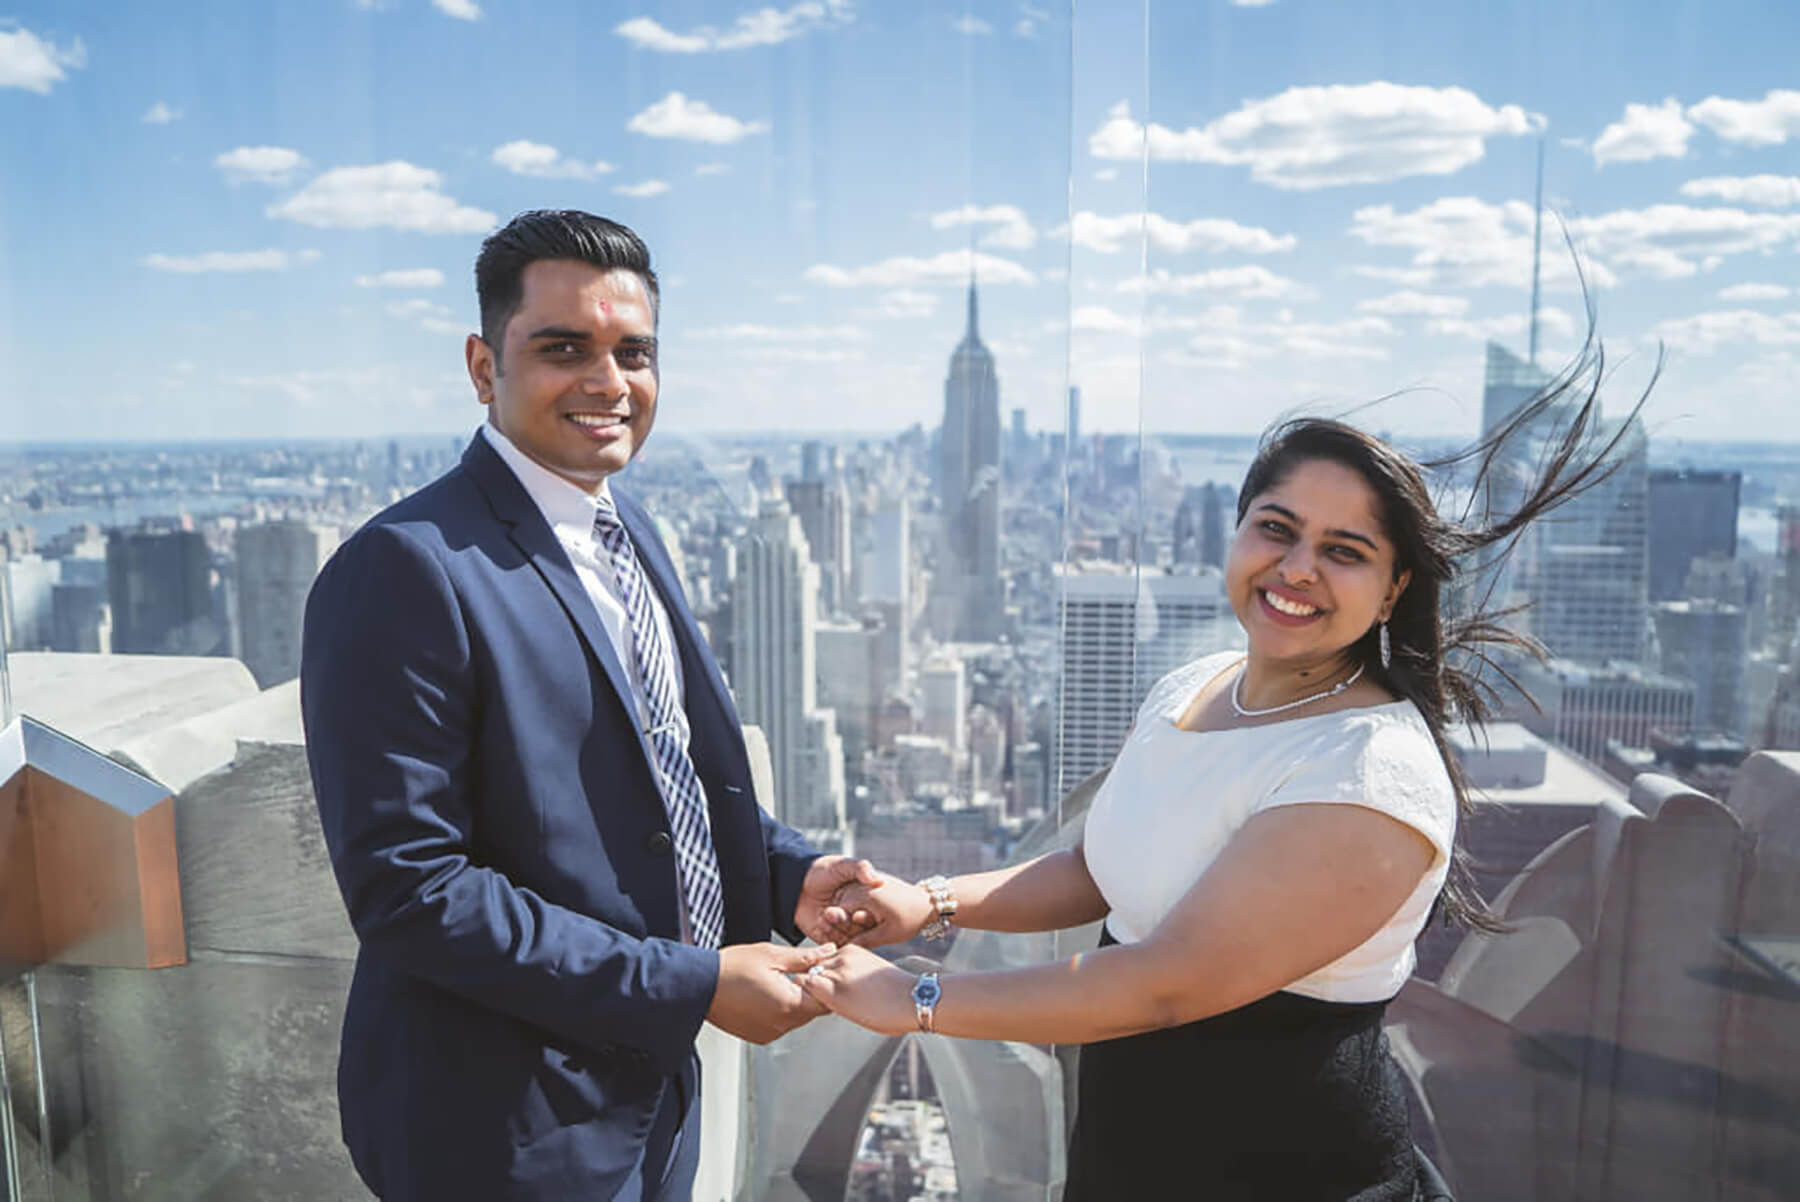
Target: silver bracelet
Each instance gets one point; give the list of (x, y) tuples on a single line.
[(943, 906)]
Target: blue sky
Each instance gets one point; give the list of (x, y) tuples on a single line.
[(258, 220)]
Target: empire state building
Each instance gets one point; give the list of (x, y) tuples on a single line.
[(969, 489)]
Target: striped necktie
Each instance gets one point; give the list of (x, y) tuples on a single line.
[(697, 865)]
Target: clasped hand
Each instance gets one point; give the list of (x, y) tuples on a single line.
[(856, 984)]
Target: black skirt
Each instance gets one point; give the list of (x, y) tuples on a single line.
[(1287, 1099)]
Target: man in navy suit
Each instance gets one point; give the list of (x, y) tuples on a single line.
[(544, 917)]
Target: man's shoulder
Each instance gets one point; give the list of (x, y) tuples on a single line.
[(450, 501)]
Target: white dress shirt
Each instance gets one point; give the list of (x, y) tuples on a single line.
[(570, 512)]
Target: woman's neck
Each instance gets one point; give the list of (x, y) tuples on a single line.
[(1266, 684)]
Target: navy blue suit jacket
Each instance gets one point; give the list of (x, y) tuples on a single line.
[(521, 998)]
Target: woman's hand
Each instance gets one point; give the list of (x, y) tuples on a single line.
[(865, 989), (874, 915)]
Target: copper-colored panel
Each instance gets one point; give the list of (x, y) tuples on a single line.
[(87, 876), (21, 931), (159, 884)]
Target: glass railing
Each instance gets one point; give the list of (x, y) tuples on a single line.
[(972, 316)]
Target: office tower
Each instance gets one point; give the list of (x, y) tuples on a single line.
[(886, 554), (1706, 643), (774, 625), (160, 583), (811, 452), (969, 490), (276, 564), (1122, 632), (1200, 526), (823, 506), (1585, 708), (30, 582), (848, 679), (1692, 514), (1590, 587), (1074, 418), (944, 701)]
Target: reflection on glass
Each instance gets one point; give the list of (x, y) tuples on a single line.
[(973, 314)]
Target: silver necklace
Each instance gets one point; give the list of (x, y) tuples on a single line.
[(1333, 691)]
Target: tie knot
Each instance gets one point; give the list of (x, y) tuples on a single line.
[(606, 514)]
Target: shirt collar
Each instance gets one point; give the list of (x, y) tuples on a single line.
[(568, 509)]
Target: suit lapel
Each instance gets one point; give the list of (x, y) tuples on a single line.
[(529, 532)]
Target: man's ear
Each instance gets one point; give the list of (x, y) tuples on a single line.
[(483, 365)]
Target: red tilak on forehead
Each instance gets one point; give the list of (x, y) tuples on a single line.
[(605, 308)]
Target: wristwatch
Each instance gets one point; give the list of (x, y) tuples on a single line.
[(943, 907), (925, 994)]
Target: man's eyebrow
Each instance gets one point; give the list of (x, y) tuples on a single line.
[(1293, 517), (563, 333), (646, 340)]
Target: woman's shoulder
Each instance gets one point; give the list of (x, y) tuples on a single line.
[(1177, 688)]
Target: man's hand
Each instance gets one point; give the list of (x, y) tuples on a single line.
[(818, 913), (876, 915), (757, 998)]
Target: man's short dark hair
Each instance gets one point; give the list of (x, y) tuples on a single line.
[(550, 234)]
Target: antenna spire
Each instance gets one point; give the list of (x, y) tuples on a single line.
[(1537, 251)]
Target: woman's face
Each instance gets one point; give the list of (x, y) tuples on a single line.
[(1311, 569)]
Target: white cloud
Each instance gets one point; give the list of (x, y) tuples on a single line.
[(1319, 137), (764, 27), (230, 261), (1677, 241), (525, 157), (1704, 333), (648, 188), (1251, 3), (906, 271), (1755, 292), (161, 114), (260, 164), (750, 332), (1251, 281), (1550, 318), (675, 116), (712, 169), (1647, 131), (34, 64), (462, 10), (973, 27), (1414, 304), (393, 195), (1460, 242), (903, 303), (1766, 122), (416, 307), (1012, 230), (416, 277), (1768, 191), (1108, 235)]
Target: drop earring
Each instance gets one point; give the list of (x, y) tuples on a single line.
[(1387, 649)]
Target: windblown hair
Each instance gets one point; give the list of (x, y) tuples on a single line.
[(1444, 662), (550, 234)]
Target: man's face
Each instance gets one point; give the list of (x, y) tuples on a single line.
[(575, 385)]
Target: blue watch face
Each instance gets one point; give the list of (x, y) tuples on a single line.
[(926, 991)]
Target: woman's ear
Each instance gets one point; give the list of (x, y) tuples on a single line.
[(1393, 597)]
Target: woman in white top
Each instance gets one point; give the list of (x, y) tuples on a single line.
[(1269, 842)]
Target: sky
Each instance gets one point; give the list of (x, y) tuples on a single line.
[(259, 220)]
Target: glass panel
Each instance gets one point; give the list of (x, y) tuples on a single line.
[(972, 314)]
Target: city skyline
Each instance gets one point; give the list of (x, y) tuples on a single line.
[(274, 235)]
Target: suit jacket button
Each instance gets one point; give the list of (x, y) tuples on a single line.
[(658, 844)]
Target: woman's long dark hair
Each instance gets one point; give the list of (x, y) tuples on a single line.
[(1445, 663)]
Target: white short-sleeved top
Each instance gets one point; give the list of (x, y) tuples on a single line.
[(1175, 798)]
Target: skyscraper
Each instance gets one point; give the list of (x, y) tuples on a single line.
[(276, 564), (1692, 514), (1122, 632), (969, 487), (774, 618), (161, 588), (1705, 642), (823, 506), (1590, 585)]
